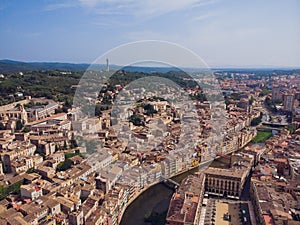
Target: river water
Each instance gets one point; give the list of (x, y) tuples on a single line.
[(156, 199)]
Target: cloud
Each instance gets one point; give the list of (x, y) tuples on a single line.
[(208, 15), (62, 5), (159, 7), (203, 17), (94, 3), (143, 8)]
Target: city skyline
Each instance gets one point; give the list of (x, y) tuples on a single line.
[(222, 33)]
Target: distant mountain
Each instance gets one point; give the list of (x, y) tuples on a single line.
[(145, 69), (8, 66)]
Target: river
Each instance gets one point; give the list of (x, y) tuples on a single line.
[(156, 200)]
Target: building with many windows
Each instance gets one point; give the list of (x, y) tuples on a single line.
[(228, 182), (288, 102)]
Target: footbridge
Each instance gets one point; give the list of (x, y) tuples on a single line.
[(170, 180)]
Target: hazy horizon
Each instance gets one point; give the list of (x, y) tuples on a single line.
[(266, 67)]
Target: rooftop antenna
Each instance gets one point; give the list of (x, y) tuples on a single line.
[(107, 65)]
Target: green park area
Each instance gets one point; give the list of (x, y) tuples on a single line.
[(262, 136)]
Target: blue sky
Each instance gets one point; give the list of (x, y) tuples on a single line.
[(222, 32)]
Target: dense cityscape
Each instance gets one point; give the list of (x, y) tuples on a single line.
[(149, 112), (59, 167)]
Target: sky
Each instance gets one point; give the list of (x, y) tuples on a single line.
[(224, 33)]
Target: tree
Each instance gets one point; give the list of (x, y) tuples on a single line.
[(292, 128), (73, 143), (199, 97), (149, 109), (26, 130), (251, 100), (98, 110), (2, 127), (227, 101), (63, 166), (19, 125), (136, 120), (264, 91), (257, 120), (270, 105)]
